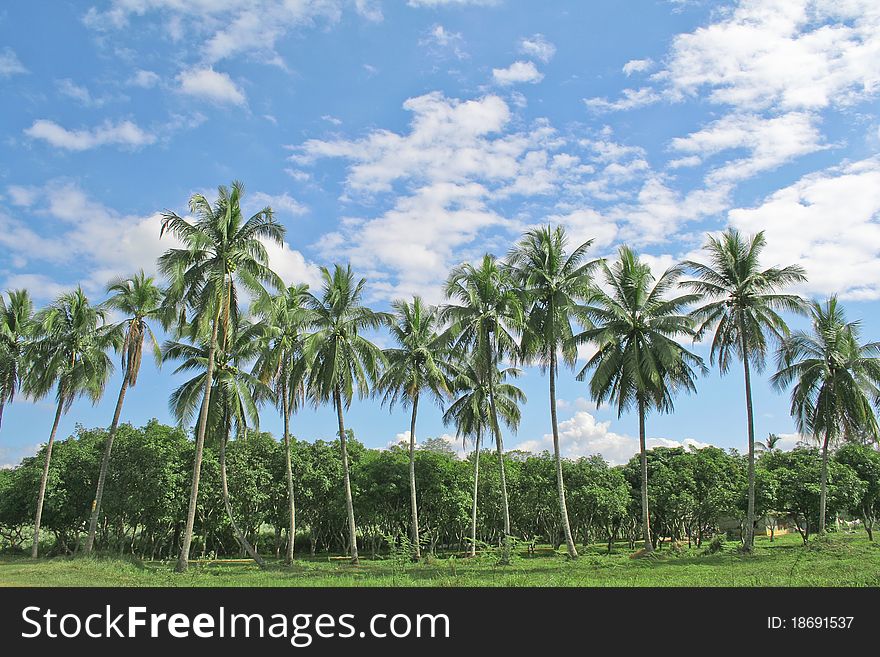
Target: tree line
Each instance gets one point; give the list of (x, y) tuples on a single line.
[(247, 340)]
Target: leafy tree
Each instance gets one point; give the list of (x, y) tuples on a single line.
[(554, 282), (837, 381), (16, 328), (638, 362), (138, 298), (68, 353), (742, 304), (865, 462), (340, 359), (220, 252)]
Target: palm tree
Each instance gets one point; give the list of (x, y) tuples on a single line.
[(221, 251), (639, 362), (554, 283), (488, 309), (470, 413), (340, 359), (419, 363), (281, 364), (837, 381), (139, 299), (69, 353), (16, 328), (742, 304), (768, 445), (234, 398)]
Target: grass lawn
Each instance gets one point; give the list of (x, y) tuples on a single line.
[(839, 560)]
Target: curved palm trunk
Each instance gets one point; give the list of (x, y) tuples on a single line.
[(349, 504), (499, 449), (291, 532), (45, 478), (413, 500), (823, 486), (183, 558), (560, 483), (105, 465), (473, 551), (2, 405), (749, 537), (239, 536), (643, 453)]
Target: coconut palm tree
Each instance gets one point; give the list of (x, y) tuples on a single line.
[(420, 363), (742, 305), (221, 251), (837, 381), (488, 310), (340, 359), (68, 353), (139, 299), (639, 362), (234, 398), (554, 283), (281, 364), (16, 328), (470, 413), (768, 445)]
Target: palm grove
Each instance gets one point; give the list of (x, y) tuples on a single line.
[(247, 342)]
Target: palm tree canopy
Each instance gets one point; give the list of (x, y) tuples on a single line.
[(554, 283), (422, 359), (220, 250), (71, 340), (16, 328), (743, 300), (339, 357), (837, 379), (139, 299), (635, 326)]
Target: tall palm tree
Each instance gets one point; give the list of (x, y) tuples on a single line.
[(554, 283), (768, 445), (16, 329), (837, 381), (234, 398), (420, 362), (488, 311), (639, 362), (341, 360), (281, 364), (470, 413), (220, 252), (139, 299), (742, 303), (69, 353)]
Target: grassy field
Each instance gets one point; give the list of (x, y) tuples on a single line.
[(838, 560)]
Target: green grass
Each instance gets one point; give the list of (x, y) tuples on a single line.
[(838, 560)]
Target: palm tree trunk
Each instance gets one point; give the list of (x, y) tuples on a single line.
[(413, 500), (560, 483), (499, 449), (2, 405), (749, 538), (643, 453), (473, 552), (242, 540), (105, 465), (183, 558), (291, 533), (823, 486), (45, 478), (349, 503)]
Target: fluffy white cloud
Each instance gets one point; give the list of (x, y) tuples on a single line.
[(637, 66), (144, 79), (537, 46), (630, 99), (10, 64), (123, 133), (280, 203), (829, 222), (211, 85), (516, 73)]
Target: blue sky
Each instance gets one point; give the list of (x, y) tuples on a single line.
[(405, 137)]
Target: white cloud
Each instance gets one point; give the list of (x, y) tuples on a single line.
[(440, 41), (211, 85), (284, 203), (829, 222), (454, 442), (144, 79), (637, 66), (122, 133), (451, 3), (538, 47), (518, 72), (10, 64), (631, 99)]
